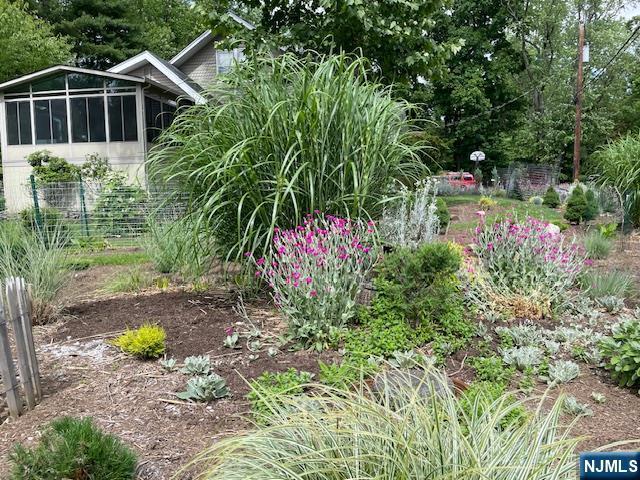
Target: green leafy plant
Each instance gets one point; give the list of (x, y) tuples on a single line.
[(491, 369), (55, 177), (593, 206), (442, 211), (120, 209), (197, 365), (551, 198), (398, 433), (344, 375), (622, 353), (272, 388), (146, 342), (417, 299), (608, 230), (536, 200), (598, 397), (52, 222), (611, 304), (292, 136), (597, 245), (205, 388), (75, 449)]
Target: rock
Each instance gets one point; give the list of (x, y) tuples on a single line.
[(553, 229)]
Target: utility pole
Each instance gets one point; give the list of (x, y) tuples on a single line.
[(579, 86)]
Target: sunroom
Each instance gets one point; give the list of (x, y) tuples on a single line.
[(75, 112)]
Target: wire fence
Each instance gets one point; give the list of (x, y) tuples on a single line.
[(117, 213), (528, 179)]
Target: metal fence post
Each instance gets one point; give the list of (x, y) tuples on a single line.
[(36, 211), (83, 208)]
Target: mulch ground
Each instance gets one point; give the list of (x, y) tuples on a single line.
[(84, 376)]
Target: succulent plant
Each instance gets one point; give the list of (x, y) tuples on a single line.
[(572, 406), (522, 357), (272, 351), (205, 389), (598, 397), (197, 365), (563, 371), (169, 364)]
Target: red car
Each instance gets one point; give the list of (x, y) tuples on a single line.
[(462, 180)]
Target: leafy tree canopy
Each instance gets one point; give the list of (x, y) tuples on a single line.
[(28, 43)]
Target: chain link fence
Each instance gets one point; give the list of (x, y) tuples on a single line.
[(117, 212), (529, 179)]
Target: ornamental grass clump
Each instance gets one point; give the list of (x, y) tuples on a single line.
[(316, 271), (523, 268), (282, 136), (398, 431)]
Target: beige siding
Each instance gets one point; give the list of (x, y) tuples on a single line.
[(152, 73), (201, 67)]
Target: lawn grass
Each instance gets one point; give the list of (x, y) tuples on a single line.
[(87, 260), (505, 205)]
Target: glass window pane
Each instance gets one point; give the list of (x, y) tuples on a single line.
[(13, 134), (81, 80), (130, 118), (224, 60), (97, 130), (114, 83), (43, 121), (22, 88), (115, 119), (154, 122), (49, 83), (24, 112), (59, 121), (79, 128)]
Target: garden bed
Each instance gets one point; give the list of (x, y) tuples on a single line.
[(84, 376)]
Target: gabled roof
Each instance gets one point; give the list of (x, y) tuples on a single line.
[(195, 46), (179, 79), (65, 68)]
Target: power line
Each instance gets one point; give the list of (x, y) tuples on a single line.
[(630, 39), (623, 47)]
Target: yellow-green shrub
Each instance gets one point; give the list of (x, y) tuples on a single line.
[(487, 203), (144, 342)]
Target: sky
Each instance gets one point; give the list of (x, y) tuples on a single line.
[(632, 10)]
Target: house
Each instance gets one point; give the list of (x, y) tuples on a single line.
[(118, 114)]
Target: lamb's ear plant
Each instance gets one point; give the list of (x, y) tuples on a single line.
[(415, 432), (205, 389), (196, 365)]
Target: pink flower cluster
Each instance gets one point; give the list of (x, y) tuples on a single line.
[(323, 246), (528, 250)]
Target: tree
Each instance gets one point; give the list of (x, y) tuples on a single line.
[(28, 43), (167, 26), (479, 79), (395, 36), (102, 32)]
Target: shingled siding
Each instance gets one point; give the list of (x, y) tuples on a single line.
[(151, 72), (201, 67)]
